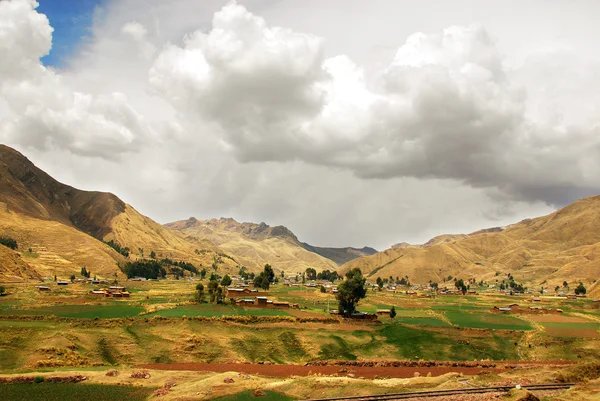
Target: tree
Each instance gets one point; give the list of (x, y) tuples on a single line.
[(202, 273), (393, 312), (351, 291), (565, 284), (152, 255), (268, 270), (226, 282), (580, 290), (460, 284), (323, 289), (72, 277), (261, 281), (215, 292), (379, 282), (311, 273), (2, 290), (200, 293)]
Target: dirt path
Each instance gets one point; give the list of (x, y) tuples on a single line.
[(300, 370)]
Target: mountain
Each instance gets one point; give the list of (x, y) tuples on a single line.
[(59, 228), (562, 246), (340, 255), (254, 245)]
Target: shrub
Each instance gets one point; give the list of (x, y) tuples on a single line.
[(9, 242), (38, 379)]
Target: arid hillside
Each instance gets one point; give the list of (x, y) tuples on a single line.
[(60, 229), (253, 245), (562, 246)]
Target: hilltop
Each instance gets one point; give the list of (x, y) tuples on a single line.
[(562, 246)]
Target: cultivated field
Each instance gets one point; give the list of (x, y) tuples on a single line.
[(69, 330)]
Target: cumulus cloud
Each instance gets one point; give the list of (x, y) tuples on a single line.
[(240, 117), (446, 107), (43, 111)]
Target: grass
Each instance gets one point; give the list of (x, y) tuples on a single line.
[(422, 321), (487, 321), (80, 311), (247, 395), (71, 391), (208, 310), (447, 344)]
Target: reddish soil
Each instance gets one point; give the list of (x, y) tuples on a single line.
[(299, 370), (558, 319), (570, 332)]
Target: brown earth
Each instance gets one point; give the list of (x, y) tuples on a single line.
[(557, 319), (572, 332), (299, 370)]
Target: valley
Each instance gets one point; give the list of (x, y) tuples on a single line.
[(91, 287)]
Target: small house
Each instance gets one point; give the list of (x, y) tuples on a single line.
[(383, 311), (260, 301), (278, 304), (42, 288), (61, 282)]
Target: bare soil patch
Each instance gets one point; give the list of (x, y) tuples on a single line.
[(557, 319), (572, 332), (300, 370)]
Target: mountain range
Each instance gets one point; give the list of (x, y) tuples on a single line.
[(60, 229), (562, 246)]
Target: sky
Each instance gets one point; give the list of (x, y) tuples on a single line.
[(352, 123)]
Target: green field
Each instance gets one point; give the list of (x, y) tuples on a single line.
[(80, 311), (422, 321), (71, 391), (447, 344), (208, 310), (487, 321)]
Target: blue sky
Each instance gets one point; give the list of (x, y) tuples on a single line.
[(71, 20)]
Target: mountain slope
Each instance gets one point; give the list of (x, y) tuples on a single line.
[(564, 245), (65, 227), (253, 245), (27, 190)]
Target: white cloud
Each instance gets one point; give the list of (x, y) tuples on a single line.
[(446, 107), (43, 111), (183, 115)]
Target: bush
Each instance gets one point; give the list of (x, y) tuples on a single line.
[(38, 379), (9, 242), (580, 290)]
